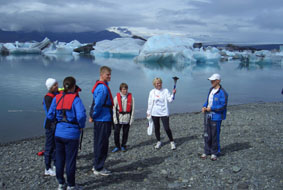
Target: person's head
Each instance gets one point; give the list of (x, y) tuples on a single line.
[(124, 88), (69, 84), (215, 80), (51, 85), (157, 83), (105, 73)]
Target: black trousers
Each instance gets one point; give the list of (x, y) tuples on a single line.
[(102, 132), (49, 153), (165, 121), (125, 135)]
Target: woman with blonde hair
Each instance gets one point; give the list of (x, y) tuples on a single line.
[(158, 109)]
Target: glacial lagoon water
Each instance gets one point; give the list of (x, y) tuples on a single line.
[(22, 82)]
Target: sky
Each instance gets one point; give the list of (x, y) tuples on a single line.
[(242, 21)]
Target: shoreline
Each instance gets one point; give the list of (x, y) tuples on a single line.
[(251, 156), (137, 119)]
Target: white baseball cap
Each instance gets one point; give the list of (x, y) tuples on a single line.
[(50, 82), (215, 76)]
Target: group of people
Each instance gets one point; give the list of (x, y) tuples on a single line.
[(66, 117)]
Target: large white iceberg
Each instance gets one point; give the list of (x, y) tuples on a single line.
[(166, 48), (118, 48)]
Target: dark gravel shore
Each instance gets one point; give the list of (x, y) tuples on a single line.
[(252, 156)]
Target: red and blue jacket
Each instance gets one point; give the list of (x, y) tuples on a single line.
[(69, 112), (47, 100), (101, 109)]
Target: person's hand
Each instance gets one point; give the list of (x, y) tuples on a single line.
[(208, 109), (174, 91), (90, 120), (203, 109)]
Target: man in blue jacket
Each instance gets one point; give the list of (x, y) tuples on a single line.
[(101, 115), (215, 109)]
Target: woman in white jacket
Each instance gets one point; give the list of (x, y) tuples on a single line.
[(158, 109)]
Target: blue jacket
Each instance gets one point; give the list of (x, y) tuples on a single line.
[(101, 96), (219, 104), (47, 100), (76, 114)]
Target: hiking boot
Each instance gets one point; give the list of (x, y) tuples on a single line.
[(123, 149), (158, 145), (76, 187), (62, 187), (103, 172), (116, 149), (213, 157), (173, 145), (49, 172)]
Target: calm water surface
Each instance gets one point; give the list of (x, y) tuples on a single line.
[(22, 82)]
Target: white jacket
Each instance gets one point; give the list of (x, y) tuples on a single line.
[(127, 118), (158, 102)]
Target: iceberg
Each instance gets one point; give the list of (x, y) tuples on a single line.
[(166, 48), (210, 53), (20, 48), (62, 48), (118, 48)]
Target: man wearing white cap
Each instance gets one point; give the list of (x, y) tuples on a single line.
[(215, 109), (49, 153)]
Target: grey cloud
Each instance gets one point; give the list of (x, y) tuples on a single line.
[(270, 20), (219, 19), (189, 22)]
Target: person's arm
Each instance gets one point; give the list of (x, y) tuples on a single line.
[(48, 101), (80, 112), (223, 100), (133, 111), (168, 96), (99, 97), (150, 103), (115, 111), (52, 110)]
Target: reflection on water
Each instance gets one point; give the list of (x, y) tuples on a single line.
[(22, 81), (260, 65)]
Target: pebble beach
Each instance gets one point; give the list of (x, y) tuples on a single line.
[(251, 156)]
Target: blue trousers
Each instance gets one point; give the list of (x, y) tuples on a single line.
[(49, 152), (102, 132), (66, 154), (212, 141)]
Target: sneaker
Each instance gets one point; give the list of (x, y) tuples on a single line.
[(76, 187), (173, 145), (158, 145), (115, 149), (203, 156), (62, 187), (213, 157), (49, 172), (123, 149), (103, 172)]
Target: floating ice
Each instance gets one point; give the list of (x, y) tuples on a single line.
[(166, 48), (62, 48), (118, 48)]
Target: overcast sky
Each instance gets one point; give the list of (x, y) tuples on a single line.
[(250, 21)]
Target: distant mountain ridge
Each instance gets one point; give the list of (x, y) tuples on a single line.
[(83, 37)]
